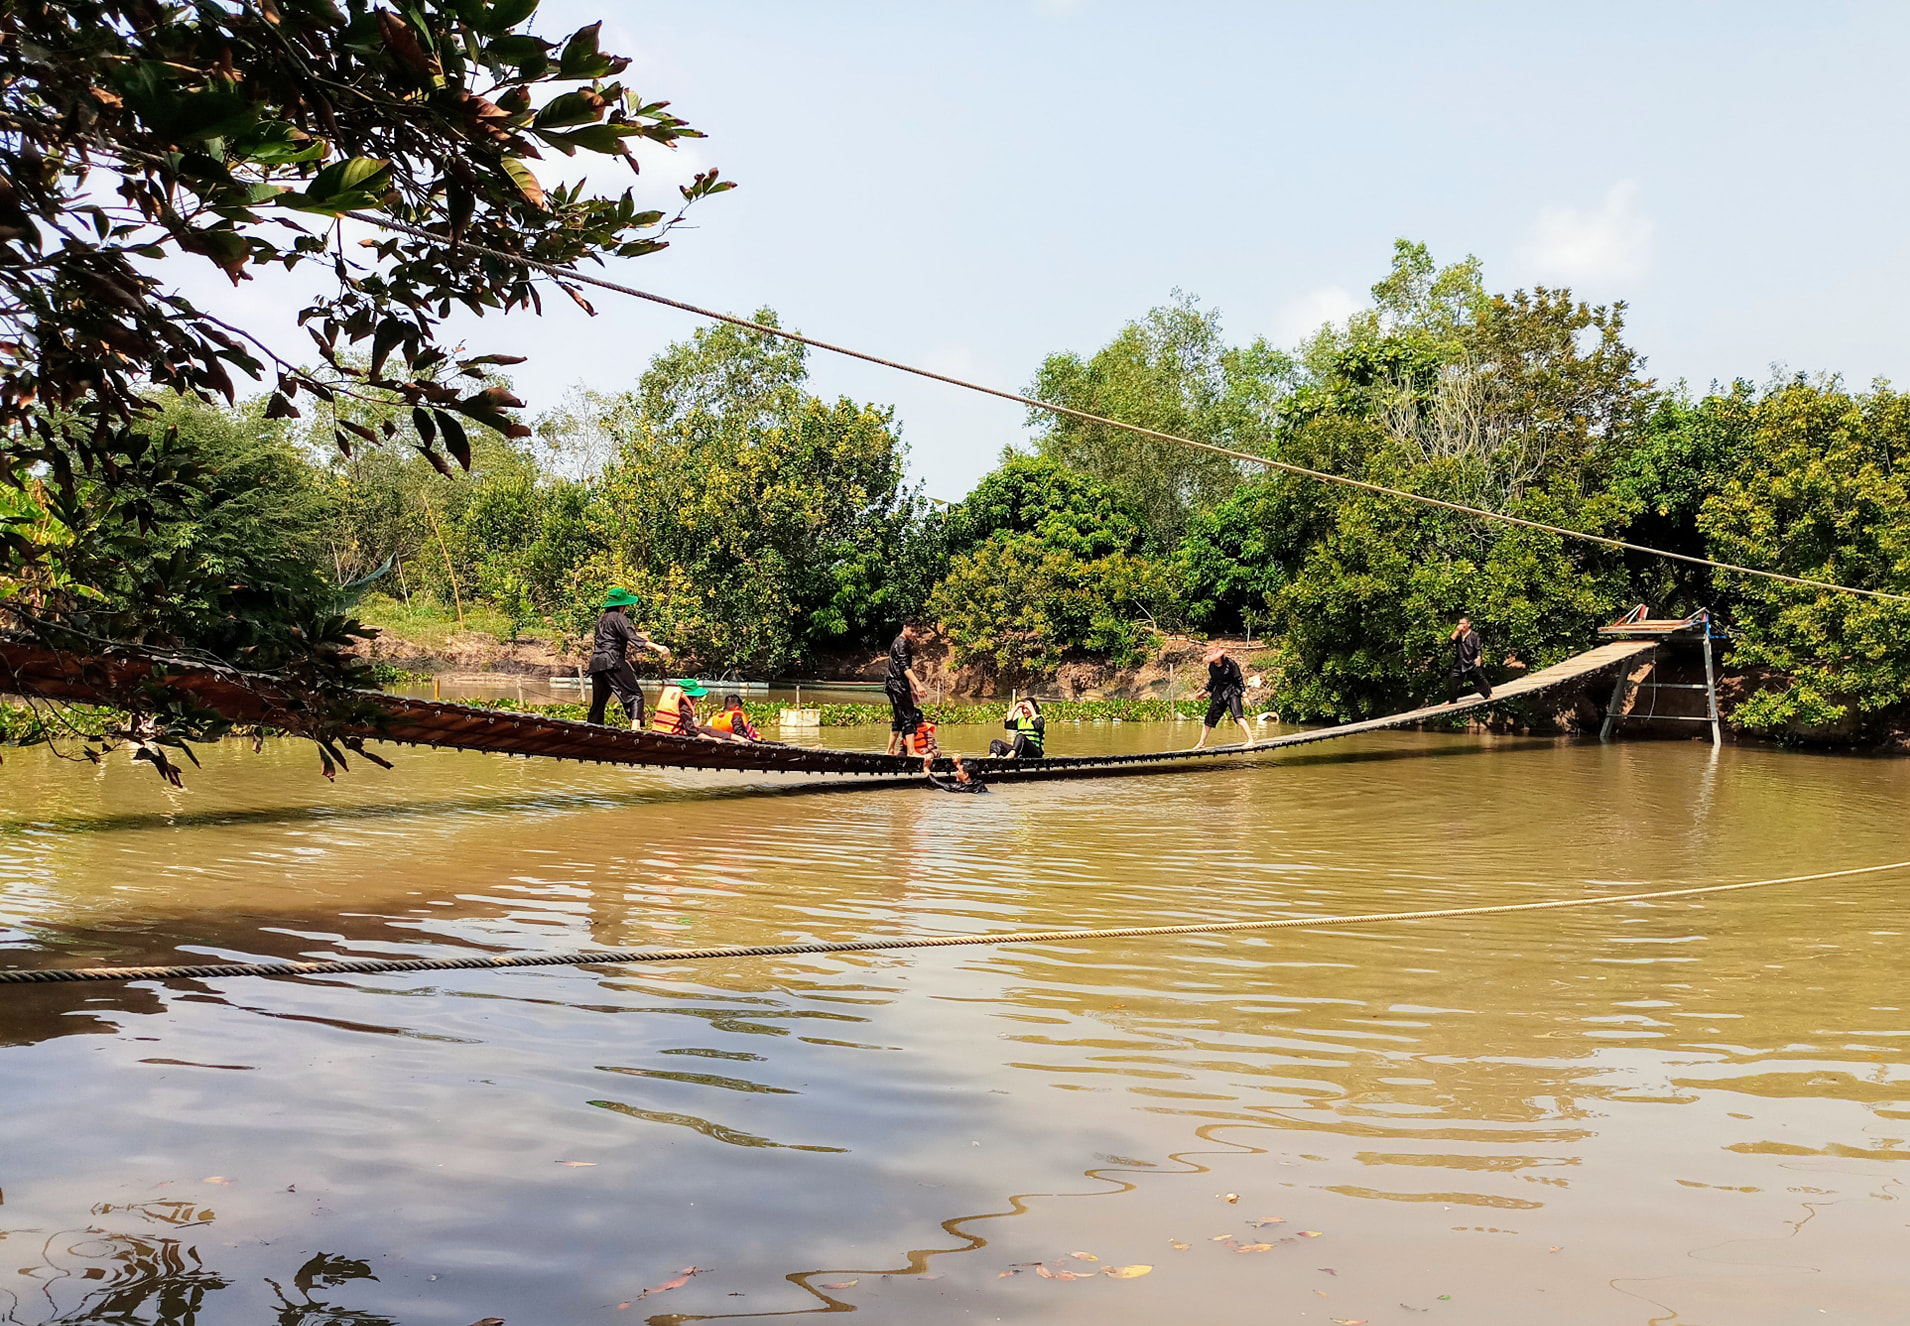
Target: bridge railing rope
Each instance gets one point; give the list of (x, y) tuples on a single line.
[(621, 957)]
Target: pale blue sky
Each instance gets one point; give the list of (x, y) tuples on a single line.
[(976, 185)]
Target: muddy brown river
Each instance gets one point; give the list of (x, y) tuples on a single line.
[(1691, 1111)]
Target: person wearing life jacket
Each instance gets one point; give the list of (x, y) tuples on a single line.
[(1030, 729), (733, 723), (921, 739), (676, 708)]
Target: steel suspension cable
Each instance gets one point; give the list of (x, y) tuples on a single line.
[(619, 957), (1085, 416)]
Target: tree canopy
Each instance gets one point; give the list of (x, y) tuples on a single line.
[(136, 135)]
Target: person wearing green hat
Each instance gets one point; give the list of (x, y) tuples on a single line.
[(676, 711), (610, 670)]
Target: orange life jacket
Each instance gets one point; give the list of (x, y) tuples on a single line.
[(669, 713), (733, 722), (922, 740)]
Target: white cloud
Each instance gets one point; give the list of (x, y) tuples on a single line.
[(1306, 313), (1611, 243)]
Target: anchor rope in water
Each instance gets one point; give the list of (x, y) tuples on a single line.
[(618, 957), (1035, 403)]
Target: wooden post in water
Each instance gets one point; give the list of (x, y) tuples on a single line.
[(1711, 689)]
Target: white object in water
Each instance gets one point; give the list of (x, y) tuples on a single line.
[(801, 718)]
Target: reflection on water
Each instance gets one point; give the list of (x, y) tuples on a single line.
[(1692, 1111)]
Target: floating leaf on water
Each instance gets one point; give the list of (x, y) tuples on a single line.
[(1410, 1308), (1253, 1247), (1010, 1271), (1558, 1247), (1349, 1321), (1328, 1269), (1177, 1245), (1231, 1197), (624, 1306), (1264, 1221), (1320, 1293), (219, 1179), (1045, 1273), (1126, 1272), (579, 1164), (1309, 1233), (1220, 1238), (1084, 1256), (1444, 1297), (489, 1321), (840, 1284)]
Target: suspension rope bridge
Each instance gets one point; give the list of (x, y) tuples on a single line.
[(144, 681)]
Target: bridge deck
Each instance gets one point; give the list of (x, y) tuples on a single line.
[(136, 680)]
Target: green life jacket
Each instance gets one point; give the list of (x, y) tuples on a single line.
[(1025, 726)]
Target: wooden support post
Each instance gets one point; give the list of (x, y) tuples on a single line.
[(1711, 689), (1613, 706)]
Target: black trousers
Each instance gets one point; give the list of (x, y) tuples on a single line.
[(1472, 679), (1022, 749), (620, 681)]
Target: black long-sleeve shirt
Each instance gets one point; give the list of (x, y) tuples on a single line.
[(1224, 681), (1468, 653), (616, 634)]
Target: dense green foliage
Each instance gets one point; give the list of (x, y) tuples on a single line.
[(139, 136)]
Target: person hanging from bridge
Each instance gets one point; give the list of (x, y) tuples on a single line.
[(1030, 729), (904, 689), (1226, 688), (1468, 663), (610, 670), (963, 781)]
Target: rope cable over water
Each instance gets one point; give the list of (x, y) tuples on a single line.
[(617, 957), (1085, 416)]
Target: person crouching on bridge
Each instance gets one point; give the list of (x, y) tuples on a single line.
[(610, 670), (904, 690), (1030, 729), (1226, 688), (1468, 663), (733, 723)]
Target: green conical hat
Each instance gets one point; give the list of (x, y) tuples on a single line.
[(620, 597)]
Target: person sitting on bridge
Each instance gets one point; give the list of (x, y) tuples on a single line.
[(963, 781), (904, 689), (733, 723), (1030, 729), (676, 711), (1468, 663), (610, 670), (1225, 689)]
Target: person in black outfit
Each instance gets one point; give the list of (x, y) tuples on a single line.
[(963, 781), (610, 670), (904, 690), (1225, 689), (1468, 663)]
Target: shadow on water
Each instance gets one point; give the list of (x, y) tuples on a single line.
[(96, 1275), (600, 800)]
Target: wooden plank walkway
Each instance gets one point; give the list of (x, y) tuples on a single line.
[(129, 679)]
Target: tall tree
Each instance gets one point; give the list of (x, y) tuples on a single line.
[(137, 135), (1171, 371)]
